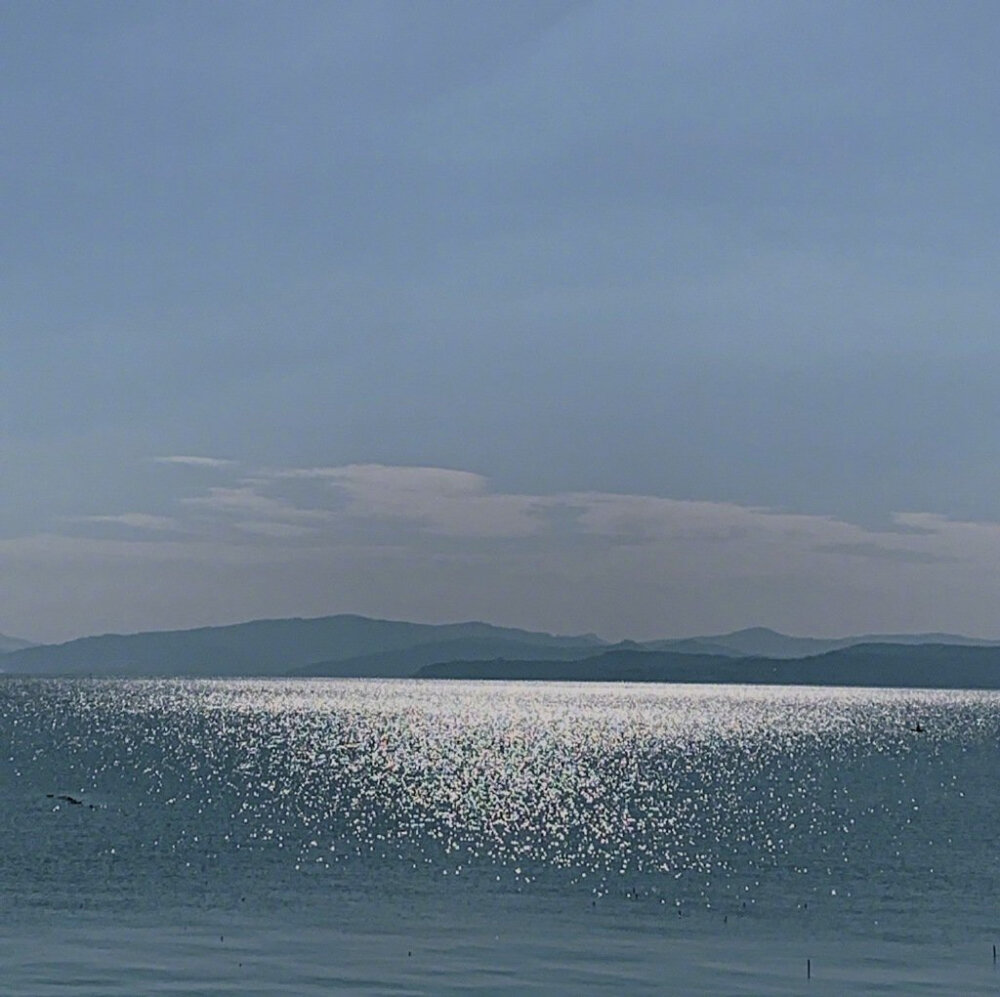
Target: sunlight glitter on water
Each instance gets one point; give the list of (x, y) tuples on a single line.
[(733, 799)]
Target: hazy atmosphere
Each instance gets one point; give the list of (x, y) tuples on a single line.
[(644, 319)]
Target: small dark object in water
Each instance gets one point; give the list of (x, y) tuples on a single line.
[(68, 799), (917, 729)]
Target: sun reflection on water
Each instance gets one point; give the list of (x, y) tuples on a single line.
[(706, 796)]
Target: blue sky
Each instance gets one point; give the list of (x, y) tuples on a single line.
[(646, 319)]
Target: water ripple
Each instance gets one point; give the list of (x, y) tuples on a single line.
[(845, 803)]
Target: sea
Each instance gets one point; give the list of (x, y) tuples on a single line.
[(418, 837)]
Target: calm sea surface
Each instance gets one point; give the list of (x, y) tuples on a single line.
[(261, 837)]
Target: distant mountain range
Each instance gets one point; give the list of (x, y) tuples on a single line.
[(406, 661), (914, 666), (282, 647), (356, 646), (759, 641), (8, 644)]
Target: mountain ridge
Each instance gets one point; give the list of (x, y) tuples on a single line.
[(771, 643), (9, 644), (403, 663), (256, 647), (876, 664), (349, 645)]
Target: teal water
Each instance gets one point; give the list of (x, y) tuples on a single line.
[(419, 837)]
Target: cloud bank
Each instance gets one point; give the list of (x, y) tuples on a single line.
[(438, 544)]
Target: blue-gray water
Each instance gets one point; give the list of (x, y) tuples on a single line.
[(421, 837)]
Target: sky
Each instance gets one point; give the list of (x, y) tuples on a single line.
[(642, 319)]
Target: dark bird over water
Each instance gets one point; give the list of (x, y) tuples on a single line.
[(68, 799)]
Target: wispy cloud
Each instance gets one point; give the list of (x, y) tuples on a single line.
[(365, 502), (247, 502), (438, 500), (134, 520), (439, 543), (192, 461), (277, 530), (880, 552)]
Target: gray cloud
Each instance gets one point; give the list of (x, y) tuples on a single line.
[(396, 539), (187, 461), (873, 550)]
